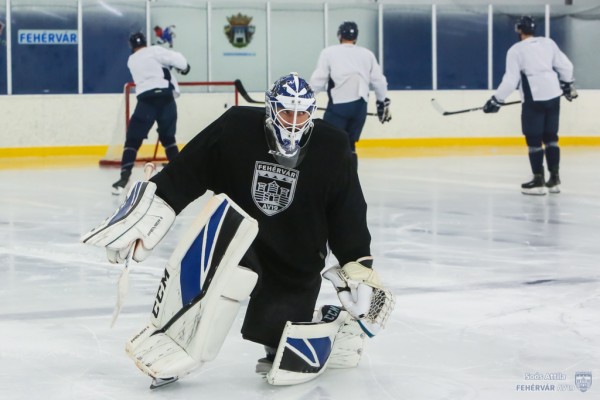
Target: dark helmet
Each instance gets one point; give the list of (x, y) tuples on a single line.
[(526, 25), (137, 40), (348, 30)]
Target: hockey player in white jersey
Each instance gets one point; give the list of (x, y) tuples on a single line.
[(156, 89), (543, 73), (347, 72)]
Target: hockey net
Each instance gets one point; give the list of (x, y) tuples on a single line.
[(200, 104)]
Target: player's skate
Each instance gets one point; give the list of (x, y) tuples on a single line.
[(263, 365), (553, 183), (536, 186), (158, 382), (119, 186)]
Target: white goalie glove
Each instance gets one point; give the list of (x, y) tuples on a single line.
[(143, 217), (361, 293)]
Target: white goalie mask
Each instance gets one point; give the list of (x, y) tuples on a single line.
[(290, 107)]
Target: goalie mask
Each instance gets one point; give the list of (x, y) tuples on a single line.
[(290, 108)]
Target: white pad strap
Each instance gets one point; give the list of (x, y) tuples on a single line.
[(307, 349), (199, 294)]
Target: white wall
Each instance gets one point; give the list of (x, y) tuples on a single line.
[(84, 120)]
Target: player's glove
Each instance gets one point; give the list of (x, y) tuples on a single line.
[(362, 294), (383, 110), (183, 71), (569, 90), (143, 216), (492, 105)]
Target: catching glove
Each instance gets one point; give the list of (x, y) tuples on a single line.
[(362, 294), (383, 110), (569, 90), (143, 216), (492, 105)]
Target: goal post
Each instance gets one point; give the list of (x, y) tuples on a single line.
[(199, 104)]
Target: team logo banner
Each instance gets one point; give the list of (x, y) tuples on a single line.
[(273, 187), (239, 31), (583, 380)]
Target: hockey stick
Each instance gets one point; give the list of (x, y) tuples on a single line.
[(242, 91), (123, 282), (439, 108)]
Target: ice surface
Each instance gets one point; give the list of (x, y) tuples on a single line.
[(491, 286)]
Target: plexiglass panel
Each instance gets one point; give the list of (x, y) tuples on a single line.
[(182, 26), (295, 49), (462, 47), (106, 29), (407, 47), (365, 16), (3, 54), (576, 30), (239, 44), (44, 47)]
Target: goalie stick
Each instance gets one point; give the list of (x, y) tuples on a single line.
[(242, 91), (123, 282), (439, 108)]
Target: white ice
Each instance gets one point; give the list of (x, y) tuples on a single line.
[(492, 287)]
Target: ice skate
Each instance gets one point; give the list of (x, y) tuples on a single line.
[(119, 186), (535, 187), (553, 183), (264, 365), (158, 382)]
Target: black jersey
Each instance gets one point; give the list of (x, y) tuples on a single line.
[(299, 210)]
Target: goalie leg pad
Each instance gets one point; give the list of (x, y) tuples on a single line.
[(199, 294), (307, 349)]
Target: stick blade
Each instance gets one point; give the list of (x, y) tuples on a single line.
[(122, 287), (437, 107)]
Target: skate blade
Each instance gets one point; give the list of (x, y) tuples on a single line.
[(158, 382), (554, 189), (541, 191)]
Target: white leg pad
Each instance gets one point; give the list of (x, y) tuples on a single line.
[(307, 349), (199, 295)]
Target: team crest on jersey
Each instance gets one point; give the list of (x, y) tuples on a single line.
[(273, 187)]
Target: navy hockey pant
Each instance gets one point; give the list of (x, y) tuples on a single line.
[(349, 117), (539, 122), (160, 109)]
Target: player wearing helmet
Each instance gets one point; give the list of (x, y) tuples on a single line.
[(156, 89), (294, 175), (542, 73), (347, 72)]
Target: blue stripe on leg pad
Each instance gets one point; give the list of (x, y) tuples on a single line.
[(315, 352), (195, 262)]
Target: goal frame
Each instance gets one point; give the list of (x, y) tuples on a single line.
[(127, 93)]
